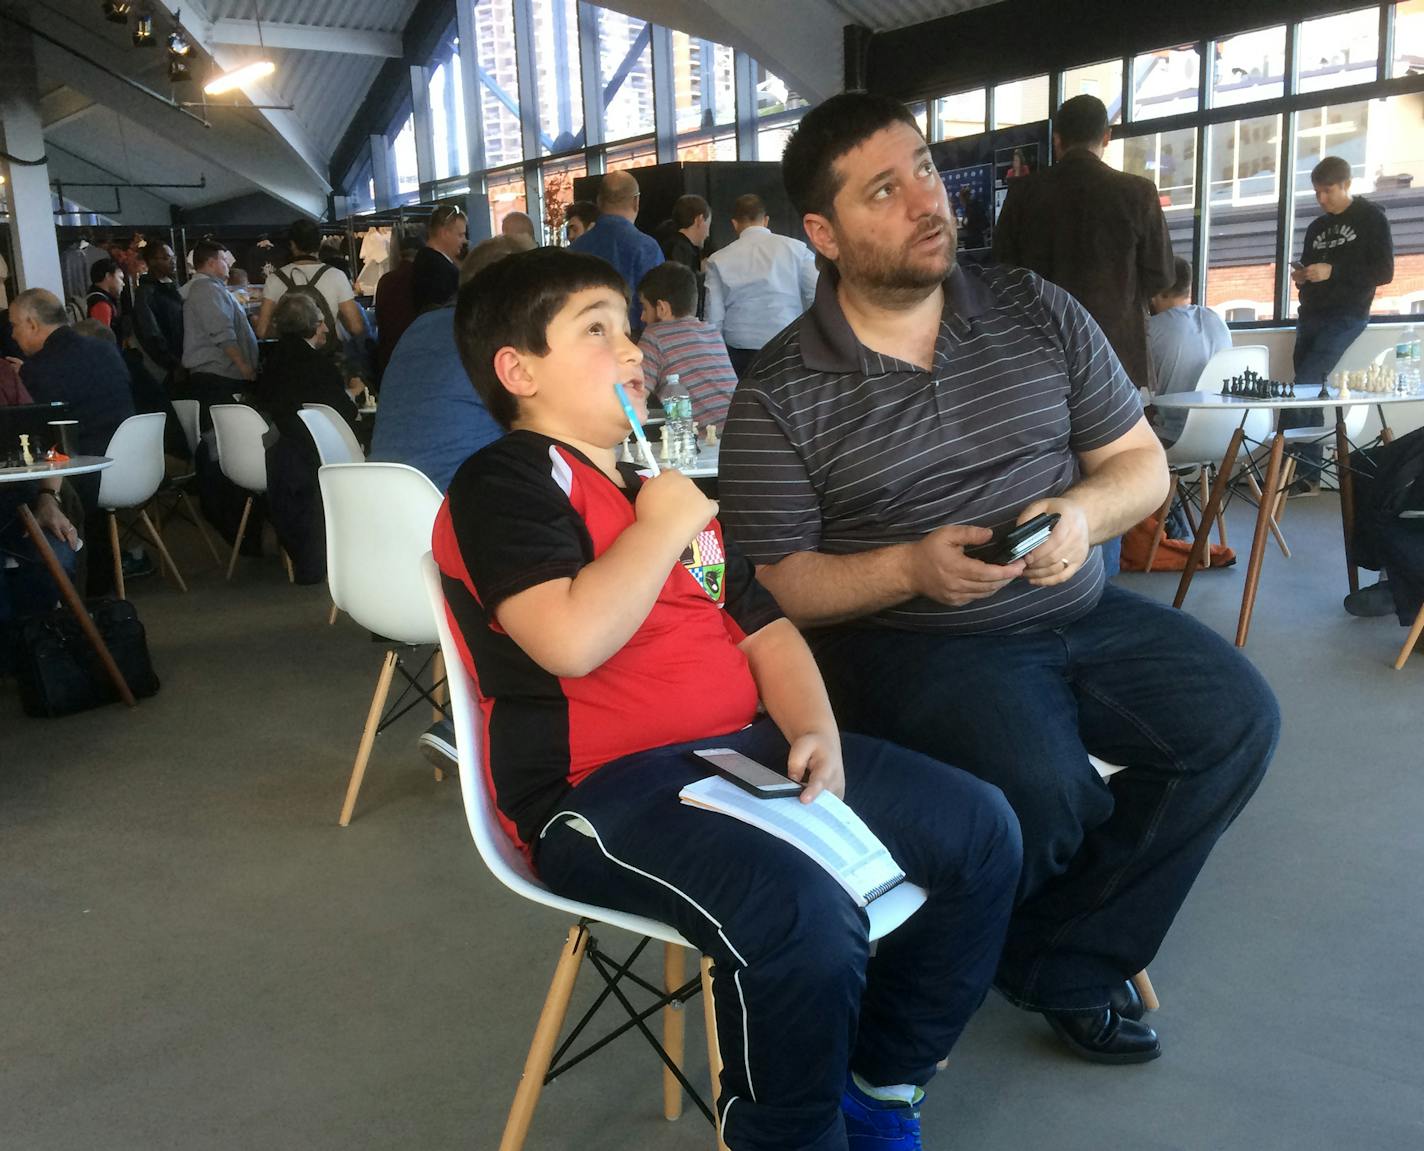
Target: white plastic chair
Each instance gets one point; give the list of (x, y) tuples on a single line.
[(513, 870), (378, 523), (1206, 433), (336, 443), (243, 459), (188, 413), (136, 448)]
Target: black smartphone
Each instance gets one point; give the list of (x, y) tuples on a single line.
[(748, 774), (1015, 543)]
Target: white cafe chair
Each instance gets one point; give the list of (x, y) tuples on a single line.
[(136, 448), (378, 523), (513, 870), (243, 459), (1201, 446), (187, 412), (335, 442)]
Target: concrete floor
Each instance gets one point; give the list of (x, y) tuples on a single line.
[(194, 955)]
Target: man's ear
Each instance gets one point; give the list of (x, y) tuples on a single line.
[(1057, 145), (1107, 136), (513, 373), (822, 234)]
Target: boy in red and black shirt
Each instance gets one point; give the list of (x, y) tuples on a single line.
[(611, 628)]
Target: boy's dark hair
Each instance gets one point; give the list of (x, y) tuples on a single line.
[(305, 237), (687, 210), (205, 250), (510, 304), (101, 270), (585, 211), (827, 133), (1081, 120), (1331, 170), (1182, 279), (674, 283)]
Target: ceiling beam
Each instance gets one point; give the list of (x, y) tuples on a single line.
[(62, 106), (304, 38)]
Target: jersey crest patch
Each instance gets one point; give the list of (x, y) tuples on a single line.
[(707, 563)]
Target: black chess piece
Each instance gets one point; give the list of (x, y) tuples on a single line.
[(1225, 386), (1235, 385), (1290, 390)]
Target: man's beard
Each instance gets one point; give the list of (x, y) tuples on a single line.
[(894, 277)]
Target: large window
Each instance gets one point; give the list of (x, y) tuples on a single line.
[(1166, 83), (778, 107), (403, 147), (506, 195), (1250, 66), (498, 82), (705, 97), (1022, 102), (557, 179), (447, 119), (1335, 51), (1408, 39), (558, 75), (1243, 170), (959, 115), (1101, 80), (625, 73)]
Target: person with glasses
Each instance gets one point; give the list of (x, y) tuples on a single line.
[(436, 276)]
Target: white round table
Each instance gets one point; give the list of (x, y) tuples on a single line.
[(1270, 488), (44, 470)]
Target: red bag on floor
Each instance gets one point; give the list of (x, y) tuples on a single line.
[(1172, 555)]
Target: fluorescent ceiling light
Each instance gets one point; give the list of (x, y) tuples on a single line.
[(239, 76)]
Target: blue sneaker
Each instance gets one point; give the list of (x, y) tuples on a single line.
[(880, 1124)]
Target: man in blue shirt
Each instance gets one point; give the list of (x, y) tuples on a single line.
[(616, 239)]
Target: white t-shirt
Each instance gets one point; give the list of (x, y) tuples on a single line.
[(333, 284)]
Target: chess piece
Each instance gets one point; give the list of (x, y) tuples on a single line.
[(1290, 390), (25, 450), (1225, 386), (711, 435)]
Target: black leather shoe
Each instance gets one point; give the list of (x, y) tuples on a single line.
[(1125, 1001), (1105, 1037)]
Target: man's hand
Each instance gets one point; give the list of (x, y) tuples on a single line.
[(16, 363), (1067, 547), (674, 504), (815, 760), (54, 521), (942, 572), (1316, 273)]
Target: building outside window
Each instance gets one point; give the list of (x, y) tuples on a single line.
[(558, 75), (1166, 83), (625, 74), (498, 82), (403, 147), (1101, 80), (1022, 102)]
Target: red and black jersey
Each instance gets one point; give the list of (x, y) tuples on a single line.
[(528, 509)]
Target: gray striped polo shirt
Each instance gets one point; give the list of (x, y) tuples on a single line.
[(832, 447)]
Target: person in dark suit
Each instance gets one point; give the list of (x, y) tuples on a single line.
[(298, 372), (435, 275), (1096, 232)]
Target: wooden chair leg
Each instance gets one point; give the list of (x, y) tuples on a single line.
[(546, 1034), (118, 554), (287, 563), (714, 1049), (1272, 522), (162, 550), (437, 713), (237, 540), (674, 1028), (1144, 989), (1162, 514), (331, 619), (1410, 641), (368, 736), (197, 521), (1279, 511), (1220, 522)]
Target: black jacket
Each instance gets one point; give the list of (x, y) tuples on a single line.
[(294, 374), (1100, 235), (87, 374), (1360, 251), (434, 280), (158, 321)]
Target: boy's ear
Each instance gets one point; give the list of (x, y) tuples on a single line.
[(663, 310), (513, 373)]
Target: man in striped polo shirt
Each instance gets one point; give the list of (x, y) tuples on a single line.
[(676, 342), (915, 408)]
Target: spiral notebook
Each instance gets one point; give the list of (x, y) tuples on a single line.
[(825, 829)]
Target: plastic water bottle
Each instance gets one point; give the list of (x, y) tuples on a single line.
[(679, 432), (1404, 365), (1414, 364)]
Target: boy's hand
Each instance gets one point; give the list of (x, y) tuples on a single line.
[(815, 760), (673, 503), (1316, 273)]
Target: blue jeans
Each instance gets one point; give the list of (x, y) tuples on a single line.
[(798, 999), (1106, 867), (1320, 341)]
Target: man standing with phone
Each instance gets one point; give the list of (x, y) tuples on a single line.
[(1348, 253)]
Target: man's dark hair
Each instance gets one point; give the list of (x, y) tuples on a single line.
[(151, 249), (101, 270), (1331, 170), (205, 251), (305, 237), (748, 208), (674, 283), (510, 304), (827, 133), (687, 210), (1182, 279), (1081, 120), (585, 211)]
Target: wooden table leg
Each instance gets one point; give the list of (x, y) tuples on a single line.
[(1258, 541), (75, 604), (1347, 497), (1386, 432), (1211, 509)]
